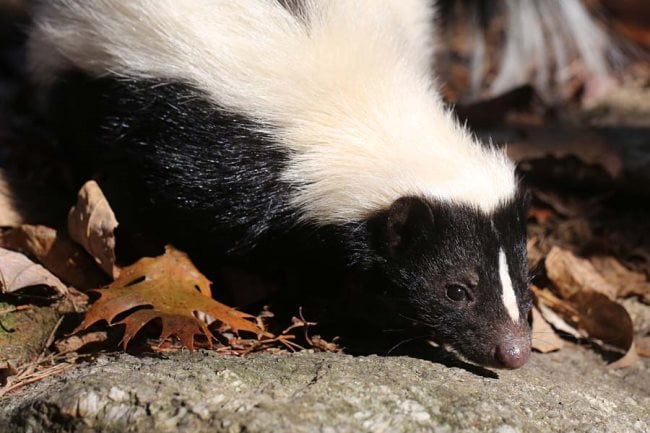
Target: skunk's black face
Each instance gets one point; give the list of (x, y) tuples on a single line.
[(465, 274)]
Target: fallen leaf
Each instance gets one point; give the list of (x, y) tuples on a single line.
[(64, 258), (548, 304), (18, 272), (544, 337), (92, 223), (572, 275), (594, 316), (628, 360), (9, 214), (604, 319), (626, 282), (174, 292)]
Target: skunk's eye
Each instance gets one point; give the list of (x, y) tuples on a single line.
[(457, 293)]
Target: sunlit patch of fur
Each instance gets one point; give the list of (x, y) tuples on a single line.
[(346, 88)]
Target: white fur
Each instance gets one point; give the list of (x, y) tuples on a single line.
[(507, 292), (349, 93)]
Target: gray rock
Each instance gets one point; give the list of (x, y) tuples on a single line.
[(569, 391)]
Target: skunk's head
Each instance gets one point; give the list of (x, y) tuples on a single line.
[(465, 274)]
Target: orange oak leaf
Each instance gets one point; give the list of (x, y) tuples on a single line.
[(174, 292)]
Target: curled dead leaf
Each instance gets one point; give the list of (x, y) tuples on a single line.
[(594, 316), (18, 272), (628, 360), (572, 275), (54, 250), (558, 323), (92, 223), (626, 282), (604, 319)]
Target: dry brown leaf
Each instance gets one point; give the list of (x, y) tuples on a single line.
[(64, 258), (558, 323), (92, 223), (544, 337), (595, 316), (556, 304), (175, 291), (18, 272), (572, 275), (604, 319), (630, 358), (627, 282), (9, 214)]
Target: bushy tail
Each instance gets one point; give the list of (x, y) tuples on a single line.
[(507, 43)]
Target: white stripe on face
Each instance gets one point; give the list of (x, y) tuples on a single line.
[(507, 292)]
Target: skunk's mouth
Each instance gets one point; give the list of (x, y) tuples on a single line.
[(509, 353)]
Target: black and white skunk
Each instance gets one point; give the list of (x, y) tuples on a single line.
[(283, 129)]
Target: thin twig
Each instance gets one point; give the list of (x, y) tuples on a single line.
[(15, 309)]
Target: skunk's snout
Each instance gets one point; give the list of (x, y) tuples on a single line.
[(512, 354), (513, 351)]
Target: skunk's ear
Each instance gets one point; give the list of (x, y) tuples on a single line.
[(409, 220)]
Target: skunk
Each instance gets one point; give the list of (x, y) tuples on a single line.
[(293, 132)]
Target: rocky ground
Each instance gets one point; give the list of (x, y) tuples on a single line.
[(571, 390)]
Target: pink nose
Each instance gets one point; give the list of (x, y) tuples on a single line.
[(512, 353)]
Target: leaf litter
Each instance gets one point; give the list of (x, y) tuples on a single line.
[(166, 290), (579, 293)]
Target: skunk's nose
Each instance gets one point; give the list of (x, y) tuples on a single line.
[(513, 353)]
